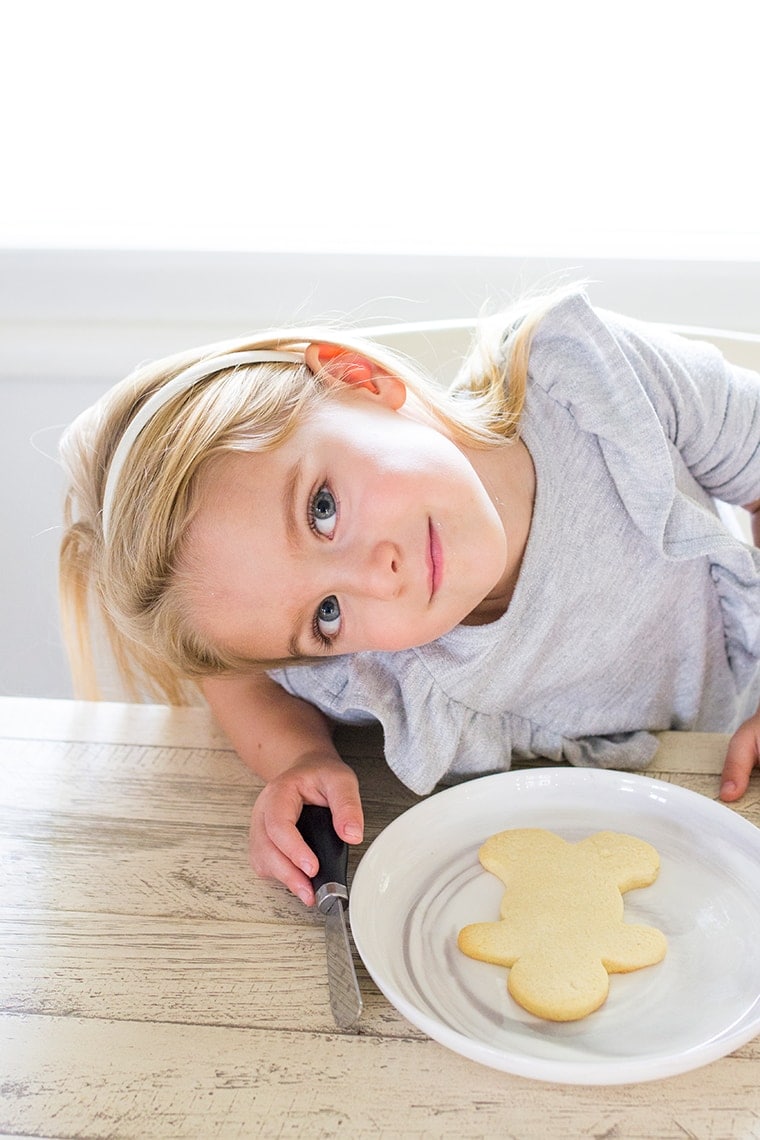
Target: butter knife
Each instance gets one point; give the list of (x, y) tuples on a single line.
[(331, 890)]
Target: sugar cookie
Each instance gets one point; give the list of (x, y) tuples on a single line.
[(562, 930)]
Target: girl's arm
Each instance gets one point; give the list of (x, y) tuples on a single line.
[(287, 742), (744, 747)]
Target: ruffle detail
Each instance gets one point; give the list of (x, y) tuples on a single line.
[(615, 409), (407, 701), (631, 751), (670, 509)]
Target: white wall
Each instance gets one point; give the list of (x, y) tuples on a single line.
[(73, 323)]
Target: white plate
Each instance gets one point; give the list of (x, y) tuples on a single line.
[(420, 882)]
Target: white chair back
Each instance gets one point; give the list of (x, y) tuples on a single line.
[(439, 346)]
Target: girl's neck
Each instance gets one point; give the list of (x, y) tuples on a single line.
[(508, 474)]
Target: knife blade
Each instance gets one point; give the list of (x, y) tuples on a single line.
[(331, 890)]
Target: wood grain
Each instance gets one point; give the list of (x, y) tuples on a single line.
[(151, 987)]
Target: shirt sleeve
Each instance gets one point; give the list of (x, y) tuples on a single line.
[(709, 408)]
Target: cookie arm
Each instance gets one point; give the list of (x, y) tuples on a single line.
[(488, 942), (629, 862), (632, 947)]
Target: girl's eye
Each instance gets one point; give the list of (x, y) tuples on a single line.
[(324, 512), (327, 619)]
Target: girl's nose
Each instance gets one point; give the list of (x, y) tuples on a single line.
[(377, 574)]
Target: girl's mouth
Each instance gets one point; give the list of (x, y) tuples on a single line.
[(435, 560)]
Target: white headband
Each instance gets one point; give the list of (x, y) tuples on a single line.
[(180, 383)]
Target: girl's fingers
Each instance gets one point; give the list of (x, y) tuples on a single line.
[(741, 758), (270, 862), (348, 819), (277, 848), (340, 788), (734, 780)]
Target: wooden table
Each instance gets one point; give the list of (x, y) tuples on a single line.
[(151, 987)]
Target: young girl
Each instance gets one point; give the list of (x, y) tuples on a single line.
[(530, 564)]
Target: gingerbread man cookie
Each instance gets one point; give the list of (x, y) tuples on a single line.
[(562, 930)]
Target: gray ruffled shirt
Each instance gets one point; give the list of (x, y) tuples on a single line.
[(635, 610)]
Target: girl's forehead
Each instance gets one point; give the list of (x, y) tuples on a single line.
[(343, 424), (237, 466)]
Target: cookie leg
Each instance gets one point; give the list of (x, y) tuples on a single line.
[(563, 990)]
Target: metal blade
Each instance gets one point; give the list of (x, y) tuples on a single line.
[(345, 999)]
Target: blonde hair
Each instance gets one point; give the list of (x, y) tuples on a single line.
[(131, 585)]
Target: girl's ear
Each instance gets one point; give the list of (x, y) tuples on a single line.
[(346, 366)]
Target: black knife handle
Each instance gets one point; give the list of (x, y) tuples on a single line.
[(315, 825)]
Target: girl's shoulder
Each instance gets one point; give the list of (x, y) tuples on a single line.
[(573, 332), (582, 354)]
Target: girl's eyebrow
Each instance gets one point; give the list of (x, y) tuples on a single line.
[(289, 495), (294, 649), (289, 500)]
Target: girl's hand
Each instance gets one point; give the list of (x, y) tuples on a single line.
[(742, 756), (277, 849)]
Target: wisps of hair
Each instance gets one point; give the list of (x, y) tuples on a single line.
[(494, 375)]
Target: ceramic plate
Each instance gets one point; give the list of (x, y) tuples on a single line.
[(420, 882)]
